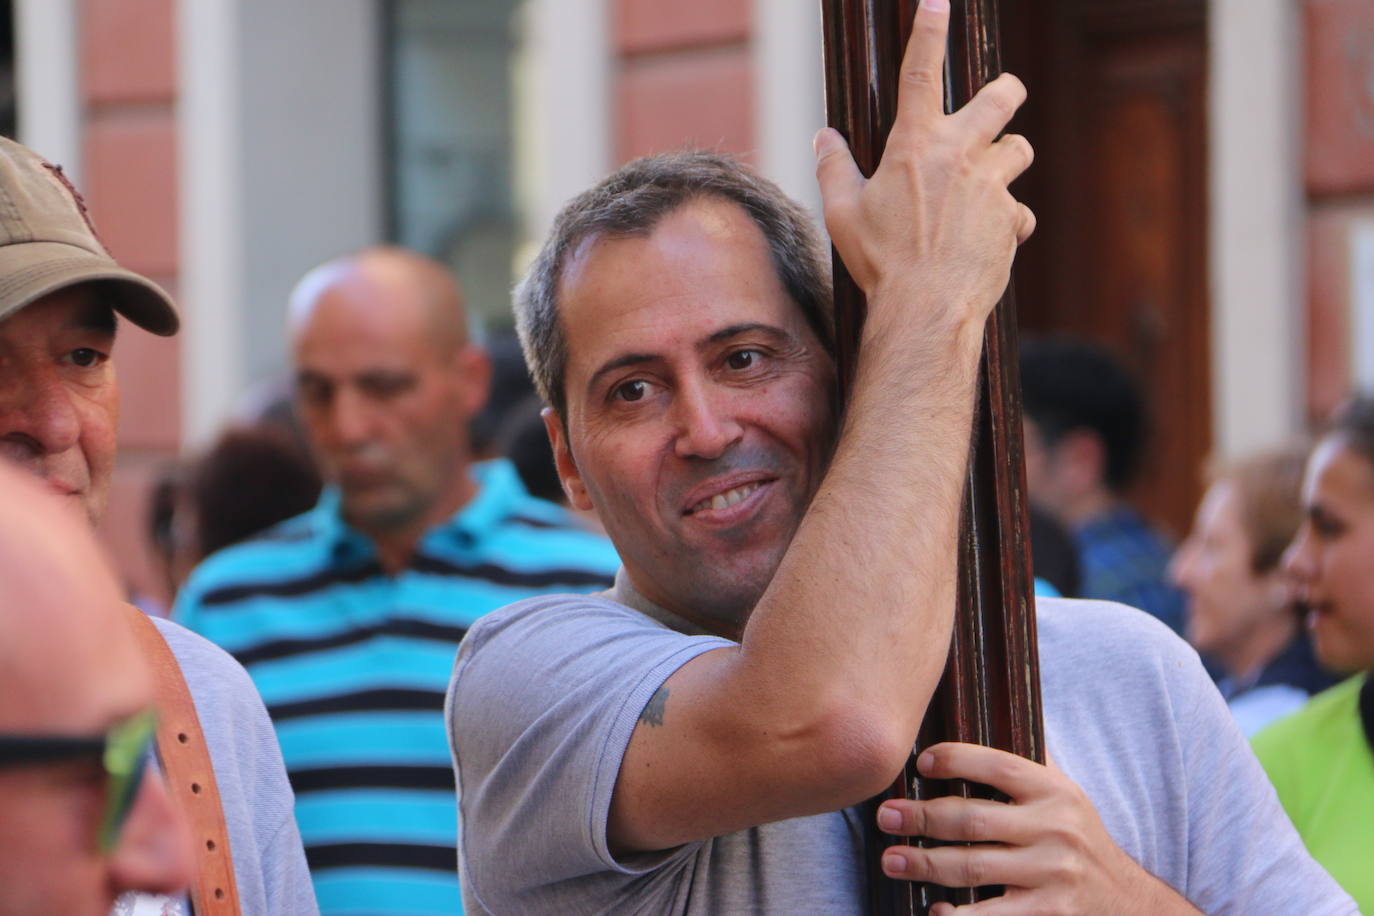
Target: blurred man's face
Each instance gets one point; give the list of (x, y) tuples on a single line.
[(387, 406), (699, 417), (69, 667), (1227, 599), (59, 403)]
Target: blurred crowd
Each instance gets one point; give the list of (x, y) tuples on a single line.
[(342, 535)]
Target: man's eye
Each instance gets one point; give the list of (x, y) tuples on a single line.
[(630, 391), (383, 387), (1325, 525), (1328, 528), (86, 358), (742, 359)]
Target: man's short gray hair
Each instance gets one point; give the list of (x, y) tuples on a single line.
[(631, 202)]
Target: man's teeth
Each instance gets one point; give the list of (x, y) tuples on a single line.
[(727, 499)]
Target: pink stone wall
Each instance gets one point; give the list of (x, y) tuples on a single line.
[(684, 76), (1338, 98), (1339, 101), (128, 96)]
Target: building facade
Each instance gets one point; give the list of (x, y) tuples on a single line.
[(226, 146)]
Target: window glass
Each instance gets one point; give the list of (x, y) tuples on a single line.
[(450, 162)]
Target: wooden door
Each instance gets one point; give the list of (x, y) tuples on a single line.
[(1118, 119)]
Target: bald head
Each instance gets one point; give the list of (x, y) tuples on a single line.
[(393, 281), (387, 383)]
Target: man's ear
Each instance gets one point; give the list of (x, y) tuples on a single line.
[(568, 474), (473, 368)]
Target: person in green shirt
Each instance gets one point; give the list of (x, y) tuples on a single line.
[(1321, 758)]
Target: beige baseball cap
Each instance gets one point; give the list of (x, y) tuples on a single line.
[(48, 242)]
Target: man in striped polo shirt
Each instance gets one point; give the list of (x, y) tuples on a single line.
[(348, 617)]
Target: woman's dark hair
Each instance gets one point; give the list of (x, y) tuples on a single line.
[(251, 479), (1353, 421)]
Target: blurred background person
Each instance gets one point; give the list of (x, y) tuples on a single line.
[(511, 387), (82, 818), (523, 440), (1241, 613), (250, 479), (348, 616), (1085, 430), (1321, 758), (1054, 556)]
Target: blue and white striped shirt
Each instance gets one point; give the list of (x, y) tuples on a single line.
[(353, 665)]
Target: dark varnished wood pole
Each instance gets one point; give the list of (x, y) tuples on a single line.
[(990, 692)]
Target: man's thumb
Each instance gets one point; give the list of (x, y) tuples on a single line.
[(836, 172)]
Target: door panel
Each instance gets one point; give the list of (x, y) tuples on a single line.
[(1118, 119)]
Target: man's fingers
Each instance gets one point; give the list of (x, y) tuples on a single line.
[(836, 170), (839, 178), (957, 866), (1025, 226), (921, 93), (1017, 777), (968, 820), (1010, 156), (1008, 903), (990, 111)]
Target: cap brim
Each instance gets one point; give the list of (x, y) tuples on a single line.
[(31, 270)]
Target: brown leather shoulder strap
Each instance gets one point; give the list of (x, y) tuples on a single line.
[(186, 763)]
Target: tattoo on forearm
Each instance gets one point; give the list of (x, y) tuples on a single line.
[(653, 710)]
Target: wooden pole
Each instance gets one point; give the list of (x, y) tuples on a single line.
[(990, 691)]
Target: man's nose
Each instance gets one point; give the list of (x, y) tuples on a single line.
[(706, 428), (154, 851), (350, 418), (37, 416)]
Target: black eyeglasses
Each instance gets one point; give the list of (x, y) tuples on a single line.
[(123, 750)]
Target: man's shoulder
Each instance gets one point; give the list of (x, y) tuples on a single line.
[(533, 533), (253, 788), (1094, 625), (214, 678), (302, 535), (286, 551), (1110, 651), (543, 614), (586, 637)]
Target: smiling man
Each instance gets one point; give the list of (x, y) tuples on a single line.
[(699, 739)]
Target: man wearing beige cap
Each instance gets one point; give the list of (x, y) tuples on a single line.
[(60, 292)]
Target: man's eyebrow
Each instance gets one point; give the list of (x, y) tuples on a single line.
[(735, 330), (385, 373), (620, 362)]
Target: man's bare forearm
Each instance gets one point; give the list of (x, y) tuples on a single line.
[(865, 596)]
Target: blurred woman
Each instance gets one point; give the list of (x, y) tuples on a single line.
[(1321, 759), (1240, 609)]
